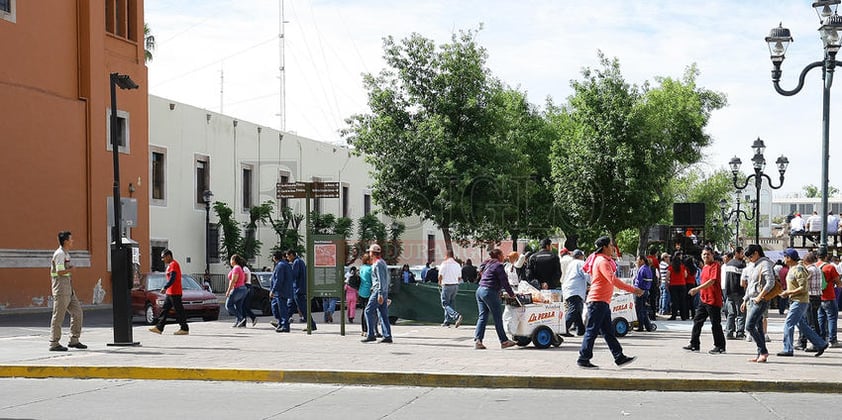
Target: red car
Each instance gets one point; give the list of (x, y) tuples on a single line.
[(147, 299)]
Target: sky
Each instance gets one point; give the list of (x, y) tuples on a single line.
[(224, 56)]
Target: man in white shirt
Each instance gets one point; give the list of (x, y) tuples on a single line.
[(450, 274), (575, 289), (796, 228)]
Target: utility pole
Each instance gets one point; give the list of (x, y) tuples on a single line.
[(282, 62)]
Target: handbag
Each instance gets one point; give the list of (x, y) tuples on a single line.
[(776, 290)]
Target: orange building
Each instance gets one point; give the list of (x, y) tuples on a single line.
[(56, 169)]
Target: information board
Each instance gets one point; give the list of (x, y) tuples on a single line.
[(328, 267)]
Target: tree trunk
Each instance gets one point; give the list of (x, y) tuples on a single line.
[(643, 241), (448, 241), (515, 237)]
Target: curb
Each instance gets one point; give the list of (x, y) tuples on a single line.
[(414, 379)]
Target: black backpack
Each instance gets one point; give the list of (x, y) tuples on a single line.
[(354, 282)]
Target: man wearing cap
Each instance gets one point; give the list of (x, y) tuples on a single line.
[(601, 266), (798, 294), (544, 267), (378, 302), (574, 288)]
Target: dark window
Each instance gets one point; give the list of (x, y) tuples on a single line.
[(157, 263), (158, 165), (202, 180), (247, 184), (213, 243), (366, 205), (344, 201), (120, 18), (6, 6)]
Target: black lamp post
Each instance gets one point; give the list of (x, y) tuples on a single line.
[(207, 196), (121, 256), (726, 217), (778, 40), (758, 162)]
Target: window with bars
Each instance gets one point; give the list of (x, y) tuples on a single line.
[(159, 174)]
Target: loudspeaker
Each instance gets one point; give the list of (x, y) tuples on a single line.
[(688, 214)]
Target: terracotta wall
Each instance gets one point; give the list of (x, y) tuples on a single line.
[(55, 170)]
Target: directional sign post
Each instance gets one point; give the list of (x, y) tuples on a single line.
[(308, 190)]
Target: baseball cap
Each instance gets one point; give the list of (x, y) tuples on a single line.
[(578, 253), (374, 248), (564, 251), (791, 253)]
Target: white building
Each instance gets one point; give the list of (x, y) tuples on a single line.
[(193, 150)]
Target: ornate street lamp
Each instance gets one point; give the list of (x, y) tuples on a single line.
[(758, 162), (779, 39), (726, 215)]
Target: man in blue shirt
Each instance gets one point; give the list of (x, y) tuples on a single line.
[(378, 302), (299, 287), (281, 291)]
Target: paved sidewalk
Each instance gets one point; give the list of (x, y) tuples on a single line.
[(421, 355)]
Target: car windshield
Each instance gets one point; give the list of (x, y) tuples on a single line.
[(265, 280), (157, 282)]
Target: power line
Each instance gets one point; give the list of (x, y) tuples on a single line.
[(273, 38)]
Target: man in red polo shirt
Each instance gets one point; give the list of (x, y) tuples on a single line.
[(828, 311), (710, 294), (173, 291)]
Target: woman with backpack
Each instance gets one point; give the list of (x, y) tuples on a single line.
[(352, 285)]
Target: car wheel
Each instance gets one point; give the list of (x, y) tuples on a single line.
[(521, 340), (621, 327), (542, 337), (393, 320), (150, 314)]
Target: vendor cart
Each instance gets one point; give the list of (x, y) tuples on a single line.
[(539, 323)]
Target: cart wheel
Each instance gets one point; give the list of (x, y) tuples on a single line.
[(654, 327), (521, 340), (542, 337), (621, 327), (557, 340)]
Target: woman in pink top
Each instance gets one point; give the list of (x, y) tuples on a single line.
[(600, 265), (236, 293)]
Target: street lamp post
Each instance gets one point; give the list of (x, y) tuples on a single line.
[(207, 196), (758, 162), (726, 217), (121, 276), (779, 39)]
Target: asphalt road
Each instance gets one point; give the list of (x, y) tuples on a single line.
[(144, 399)]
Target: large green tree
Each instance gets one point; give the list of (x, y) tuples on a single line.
[(429, 133), (619, 145)]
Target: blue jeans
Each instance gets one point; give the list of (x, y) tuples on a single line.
[(642, 313), (797, 310), (754, 324), (575, 305), (665, 299), (329, 305), (599, 321), (281, 312), (234, 303), (488, 300), (373, 311), (448, 295), (736, 320), (828, 314)]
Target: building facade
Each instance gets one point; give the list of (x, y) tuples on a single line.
[(57, 171)]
